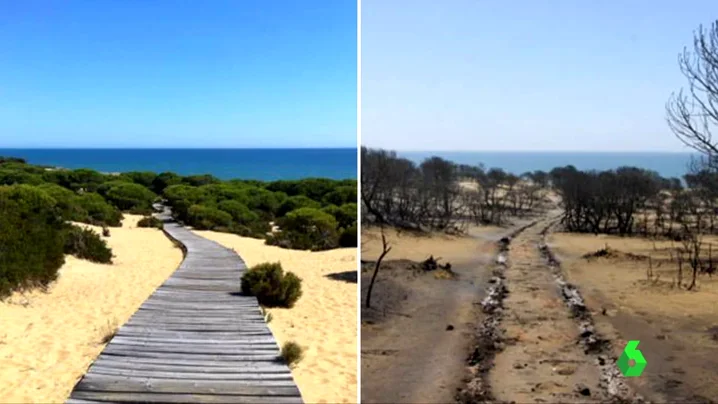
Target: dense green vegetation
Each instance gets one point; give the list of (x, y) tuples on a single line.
[(36, 203)]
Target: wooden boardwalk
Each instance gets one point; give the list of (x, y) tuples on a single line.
[(194, 340)]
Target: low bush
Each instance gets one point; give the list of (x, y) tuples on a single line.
[(271, 286), (296, 202), (241, 214), (207, 218), (129, 196), (99, 212), (346, 215), (150, 221), (292, 353), (31, 243), (348, 237), (86, 244)]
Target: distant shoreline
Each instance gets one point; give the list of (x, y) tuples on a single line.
[(268, 164), (667, 164)]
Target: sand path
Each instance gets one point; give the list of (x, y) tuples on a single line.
[(417, 336), (323, 321), (47, 340), (541, 361)]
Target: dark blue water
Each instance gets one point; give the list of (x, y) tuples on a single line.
[(666, 164), (255, 164)]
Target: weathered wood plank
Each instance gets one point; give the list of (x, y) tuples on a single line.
[(196, 349), (115, 397), (144, 332), (189, 362), (268, 339), (249, 378), (110, 350), (267, 367), (155, 385)]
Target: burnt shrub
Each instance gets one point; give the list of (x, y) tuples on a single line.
[(306, 229), (271, 286), (150, 221), (31, 243), (86, 244), (207, 218), (348, 236)]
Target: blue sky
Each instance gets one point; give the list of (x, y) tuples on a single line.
[(523, 75), (232, 73)]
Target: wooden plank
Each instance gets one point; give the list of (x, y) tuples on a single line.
[(267, 367), (249, 378), (204, 328), (144, 332), (246, 340), (155, 385), (197, 349), (214, 316), (119, 360), (209, 322), (110, 350), (115, 397)]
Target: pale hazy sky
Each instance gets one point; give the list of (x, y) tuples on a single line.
[(523, 75)]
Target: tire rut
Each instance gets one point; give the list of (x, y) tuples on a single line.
[(537, 342)]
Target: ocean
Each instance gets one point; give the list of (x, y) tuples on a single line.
[(249, 164), (666, 164)]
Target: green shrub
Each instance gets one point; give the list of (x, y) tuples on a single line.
[(341, 195), (348, 237), (271, 286), (346, 215), (67, 202), (86, 244), (296, 202), (99, 212), (129, 196), (306, 229), (241, 214), (207, 218), (292, 353), (257, 229), (144, 178), (31, 243), (164, 180), (81, 179), (14, 176), (199, 180), (261, 200), (150, 221), (181, 197)]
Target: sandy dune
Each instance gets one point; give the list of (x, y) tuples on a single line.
[(47, 340), (677, 328), (324, 320)]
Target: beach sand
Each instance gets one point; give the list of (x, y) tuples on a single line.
[(47, 340), (323, 321)]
